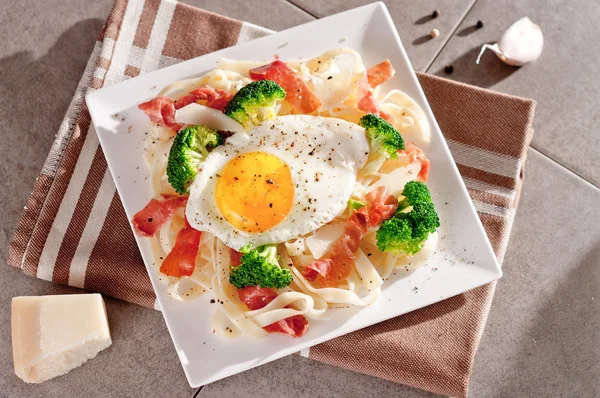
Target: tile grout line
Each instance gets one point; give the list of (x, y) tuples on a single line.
[(450, 36), (301, 9), (461, 20), (565, 167)]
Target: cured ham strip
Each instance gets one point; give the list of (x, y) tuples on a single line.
[(366, 100), (336, 268), (148, 221), (380, 73), (256, 297), (381, 205), (235, 257), (181, 260), (320, 267), (414, 154), (161, 110), (216, 99), (297, 92), (295, 326)]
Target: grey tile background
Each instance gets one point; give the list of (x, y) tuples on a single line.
[(543, 332), (413, 21), (542, 337), (565, 80)]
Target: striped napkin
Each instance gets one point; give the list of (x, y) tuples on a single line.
[(74, 231)]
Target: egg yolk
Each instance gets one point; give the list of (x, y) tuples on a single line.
[(255, 191)]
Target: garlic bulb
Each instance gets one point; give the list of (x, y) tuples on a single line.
[(521, 43)]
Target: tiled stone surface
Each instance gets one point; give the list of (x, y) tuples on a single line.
[(271, 14), (564, 80), (543, 332), (413, 21)]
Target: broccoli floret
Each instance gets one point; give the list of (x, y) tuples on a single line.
[(190, 147), (354, 204), (414, 192), (423, 219), (255, 102), (405, 233), (395, 235), (260, 267), (383, 136)]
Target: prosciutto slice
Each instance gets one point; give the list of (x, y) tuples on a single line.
[(414, 154), (256, 297), (181, 260), (235, 257), (216, 99), (380, 73), (333, 270), (375, 75), (366, 101), (161, 110), (148, 221), (295, 326), (319, 267), (297, 92)]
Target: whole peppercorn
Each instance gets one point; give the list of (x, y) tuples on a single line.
[(449, 69), (434, 33), (479, 25), (435, 14)]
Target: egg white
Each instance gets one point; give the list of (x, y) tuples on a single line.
[(324, 156)]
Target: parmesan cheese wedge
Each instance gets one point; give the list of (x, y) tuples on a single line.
[(53, 334)]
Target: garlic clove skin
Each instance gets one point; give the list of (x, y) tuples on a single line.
[(523, 42)]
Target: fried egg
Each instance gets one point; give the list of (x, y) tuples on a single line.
[(281, 180)]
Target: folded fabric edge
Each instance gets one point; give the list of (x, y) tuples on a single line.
[(478, 89)]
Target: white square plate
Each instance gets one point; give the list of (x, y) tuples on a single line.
[(464, 259)]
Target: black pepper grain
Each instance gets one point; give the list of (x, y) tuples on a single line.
[(449, 69)]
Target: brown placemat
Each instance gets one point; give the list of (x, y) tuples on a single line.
[(74, 230)]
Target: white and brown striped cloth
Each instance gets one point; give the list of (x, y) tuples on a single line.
[(74, 230)]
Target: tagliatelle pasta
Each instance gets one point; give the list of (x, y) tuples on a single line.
[(342, 243)]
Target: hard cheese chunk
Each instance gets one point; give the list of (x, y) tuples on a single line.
[(53, 334)]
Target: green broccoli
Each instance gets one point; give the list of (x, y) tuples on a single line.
[(260, 267), (355, 205), (423, 219), (414, 192), (384, 137), (190, 147), (395, 235), (255, 102), (405, 233)]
